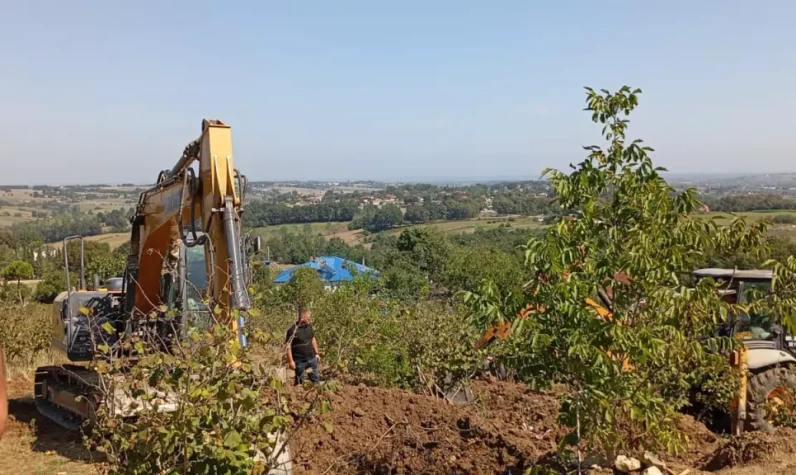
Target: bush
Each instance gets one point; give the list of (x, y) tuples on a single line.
[(784, 219), (229, 410), (367, 337), (13, 293), (25, 331), (53, 284)]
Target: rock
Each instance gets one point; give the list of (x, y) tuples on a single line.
[(358, 411), (652, 471), (625, 464), (652, 460), (592, 460)]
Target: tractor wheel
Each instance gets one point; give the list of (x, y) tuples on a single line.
[(768, 390)]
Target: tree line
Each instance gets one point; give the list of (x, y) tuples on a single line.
[(741, 203), (259, 214)]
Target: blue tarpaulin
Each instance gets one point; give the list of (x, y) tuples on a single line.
[(331, 269)]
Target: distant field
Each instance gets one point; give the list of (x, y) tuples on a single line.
[(327, 229), (471, 225), (22, 202), (340, 230), (726, 218), (113, 239)]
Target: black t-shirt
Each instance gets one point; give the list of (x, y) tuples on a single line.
[(301, 342)]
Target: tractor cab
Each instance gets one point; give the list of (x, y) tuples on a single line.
[(742, 287), (766, 361), (756, 330)]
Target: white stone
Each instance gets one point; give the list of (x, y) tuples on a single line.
[(652, 460), (625, 464), (652, 471)]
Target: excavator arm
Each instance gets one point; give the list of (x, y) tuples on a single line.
[(192, 206)]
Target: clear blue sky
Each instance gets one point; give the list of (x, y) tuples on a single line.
[(111, 91)]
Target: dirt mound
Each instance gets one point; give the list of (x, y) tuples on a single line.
[(752, 448), (701, 441), (377, 430)]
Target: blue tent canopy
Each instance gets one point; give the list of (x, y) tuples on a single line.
[(331, 269)]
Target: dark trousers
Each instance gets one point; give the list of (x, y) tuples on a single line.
[(301, 367)]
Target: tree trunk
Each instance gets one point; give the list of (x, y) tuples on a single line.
[(19, 290)]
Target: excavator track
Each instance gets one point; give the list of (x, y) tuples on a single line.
[(68, 395)]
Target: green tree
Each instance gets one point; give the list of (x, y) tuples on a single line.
[(468, 267), (633, 236), (53, 283), (106, 264), (304, 288), (416, 214), (18, 270), (428, 249), (386, 217)]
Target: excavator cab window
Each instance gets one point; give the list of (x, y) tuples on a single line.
[(196, 276)]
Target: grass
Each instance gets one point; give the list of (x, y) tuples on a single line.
[(725, 218), (471, 225), (327, 229), (340, 230)]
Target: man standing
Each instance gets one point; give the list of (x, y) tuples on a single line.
[(302, 348)]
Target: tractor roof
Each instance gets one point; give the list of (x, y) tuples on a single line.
[(752, 274)]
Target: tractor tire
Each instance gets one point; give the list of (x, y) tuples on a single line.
[(761, 388)]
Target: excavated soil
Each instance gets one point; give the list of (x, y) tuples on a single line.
[(381, 431), (774, 450), (507, 430)]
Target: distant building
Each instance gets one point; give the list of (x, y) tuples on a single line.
[(332, 270)]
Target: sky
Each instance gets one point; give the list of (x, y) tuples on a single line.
[(111, 92)]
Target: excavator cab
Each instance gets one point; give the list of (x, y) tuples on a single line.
[(185, 291)]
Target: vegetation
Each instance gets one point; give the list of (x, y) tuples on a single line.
[(755, 202), (229, 411), (374, 219), (25, 332), (633, 236), (17, 271), (259, 214), (613, 224), (367, 337)]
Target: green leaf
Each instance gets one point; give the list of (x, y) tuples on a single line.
[(232, 439), (328, 427)]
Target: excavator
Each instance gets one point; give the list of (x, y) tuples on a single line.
[(187, 254), (765, 359)]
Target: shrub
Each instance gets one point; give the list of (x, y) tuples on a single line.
[(784, 219), (25, 331), (368, 337), (229, 410)]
